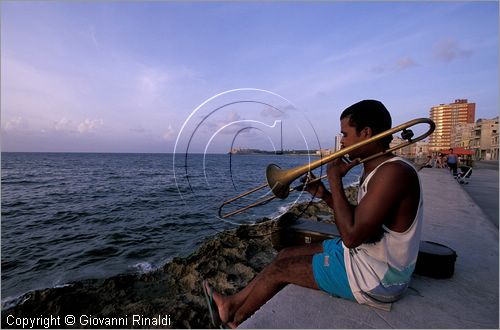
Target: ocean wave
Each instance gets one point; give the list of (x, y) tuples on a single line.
[(143, 267), (10, 302)]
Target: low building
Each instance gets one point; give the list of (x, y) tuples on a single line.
[(461, 134), (482, 137), (494, 145), (403, 152), (323, 152)]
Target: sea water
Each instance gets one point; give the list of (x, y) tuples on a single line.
[(73, 216)]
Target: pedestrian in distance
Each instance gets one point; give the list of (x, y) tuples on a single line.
[(452, 162)]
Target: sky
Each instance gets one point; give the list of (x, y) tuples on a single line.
[(165, 76)]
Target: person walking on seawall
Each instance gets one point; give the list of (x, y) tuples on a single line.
[(374, 258), (452, 161)]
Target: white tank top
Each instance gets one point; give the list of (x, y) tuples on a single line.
[(380, 272)]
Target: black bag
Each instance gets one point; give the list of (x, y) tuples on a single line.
[(304, 232), (434, 260)]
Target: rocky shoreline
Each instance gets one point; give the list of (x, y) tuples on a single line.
[(169, 297)]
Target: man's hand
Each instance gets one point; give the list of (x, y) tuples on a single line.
[(317, 188), (337, 168)]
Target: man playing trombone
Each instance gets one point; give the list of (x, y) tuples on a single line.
[(374, 258)]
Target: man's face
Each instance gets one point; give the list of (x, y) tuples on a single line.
[(349, 135)]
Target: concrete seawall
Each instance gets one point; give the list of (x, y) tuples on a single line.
[(467, 300), (483, 188)]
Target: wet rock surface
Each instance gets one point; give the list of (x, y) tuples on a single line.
[(227, 261)]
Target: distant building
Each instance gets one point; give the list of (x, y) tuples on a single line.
[(403, 152), (461, 135), (417, 151), (323, 152), (482, 138), (234, 150), (447, 116), (420, 149), (494, 145), (337, 146)]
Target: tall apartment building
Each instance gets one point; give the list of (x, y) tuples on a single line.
[(337, 146), (447, 116)]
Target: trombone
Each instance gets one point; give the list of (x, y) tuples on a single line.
[(279, 180)]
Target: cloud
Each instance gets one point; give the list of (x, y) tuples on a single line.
[(448, 50), (89, 125), (92, 36), (62, 125), (139, 130), (169, 135), (405, 63), (230, 124), (151, 82), (65, 125), (400, 64), (13, 124), (273, 113), (233, 116)]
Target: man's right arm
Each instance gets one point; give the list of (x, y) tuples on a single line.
[(392, 184)]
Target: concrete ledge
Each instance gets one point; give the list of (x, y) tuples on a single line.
[(468, 300)]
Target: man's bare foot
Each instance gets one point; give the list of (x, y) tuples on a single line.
[(232, 325), (222, 303)]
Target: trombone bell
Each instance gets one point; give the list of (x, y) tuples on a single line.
[(274, 180)]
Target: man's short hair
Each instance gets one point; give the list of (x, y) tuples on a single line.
[(369, 113)]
